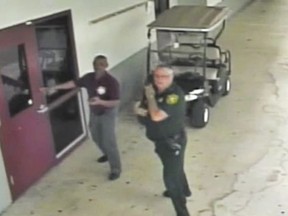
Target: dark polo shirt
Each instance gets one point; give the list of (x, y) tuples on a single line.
[(171, 101), (106, 88)]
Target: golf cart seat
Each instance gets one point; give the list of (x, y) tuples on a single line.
[(189, 81), (211, 73), (193, 55)]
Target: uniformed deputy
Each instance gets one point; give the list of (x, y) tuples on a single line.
[(162, 111)]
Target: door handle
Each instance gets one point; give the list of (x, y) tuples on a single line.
[(42, 109)]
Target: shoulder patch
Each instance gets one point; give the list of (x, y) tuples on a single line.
[(172, 99)]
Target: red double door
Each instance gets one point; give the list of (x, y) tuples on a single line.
[(25, 135)]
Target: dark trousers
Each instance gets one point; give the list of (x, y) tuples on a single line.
[(173, 173)]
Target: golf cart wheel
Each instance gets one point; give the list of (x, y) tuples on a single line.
[(199, 114), (227, 86)]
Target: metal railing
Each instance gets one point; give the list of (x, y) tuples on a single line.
[(119, 12)]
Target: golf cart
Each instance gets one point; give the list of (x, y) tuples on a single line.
[(185, 38)]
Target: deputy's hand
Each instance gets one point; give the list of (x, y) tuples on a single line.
[(95, 101), (140, 111), (149, 91)]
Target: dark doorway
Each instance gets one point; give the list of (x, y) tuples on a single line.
[(58, 65), (161, 6)]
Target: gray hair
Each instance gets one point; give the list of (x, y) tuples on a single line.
[(167, 68)]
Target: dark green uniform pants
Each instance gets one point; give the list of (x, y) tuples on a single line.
[(173, 173)]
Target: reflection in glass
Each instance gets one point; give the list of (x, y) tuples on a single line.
[(55, 58), (15, 79), (66, 123), (57, 66)]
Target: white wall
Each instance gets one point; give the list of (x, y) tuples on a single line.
[(213, 2), (192, 2), (173, 2), (5, 197), (117, 37), (200, 2)]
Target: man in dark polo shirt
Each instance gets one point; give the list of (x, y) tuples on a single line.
[(162, 111), (103, 92)]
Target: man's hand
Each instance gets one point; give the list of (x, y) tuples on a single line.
[(48, 90), (63, 86), (149, 91), (95, 101), (44, 90)]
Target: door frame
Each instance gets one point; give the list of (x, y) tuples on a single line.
[(77, 142)]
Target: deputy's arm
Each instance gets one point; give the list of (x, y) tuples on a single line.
[(155, 112)]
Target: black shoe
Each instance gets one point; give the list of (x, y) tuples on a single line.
[(102, 159), (167, 194), (114, 176)]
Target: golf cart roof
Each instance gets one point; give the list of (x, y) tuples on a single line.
[(190, 18)]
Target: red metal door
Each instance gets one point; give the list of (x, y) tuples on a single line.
[(25, 135)]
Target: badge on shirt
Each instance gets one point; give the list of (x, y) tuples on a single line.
[(172, 99), (101, 90)]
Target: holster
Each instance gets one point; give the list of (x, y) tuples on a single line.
[(173, 142)]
